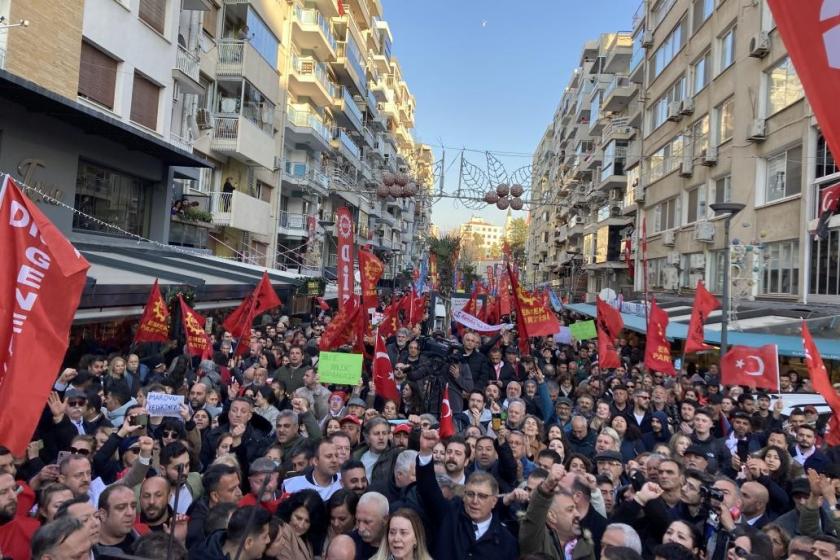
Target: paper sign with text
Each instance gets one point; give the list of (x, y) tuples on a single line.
[(340, 368), (583, 330), (162, 404)]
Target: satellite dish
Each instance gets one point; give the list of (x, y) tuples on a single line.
[(607, 294)]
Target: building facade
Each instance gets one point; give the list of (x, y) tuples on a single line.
[(490, 236), (714, 113)]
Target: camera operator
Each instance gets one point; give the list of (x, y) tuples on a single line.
[(443, 364), (478, 362)]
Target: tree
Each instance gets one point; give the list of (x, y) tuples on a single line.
[(445, 249)]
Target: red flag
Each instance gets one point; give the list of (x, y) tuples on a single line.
[(193, 329), (822, 385), (391, 320), (751, 367), (383, 373), (322, 304), (418, 308), (810, 34), (505, 304), (342, 329), (344, 256), (43, 277), (262, 299), (447, 426), (341, 11), (154, 325), (704, 303), (608, 324), (657, 347), (628, 258), (532, 317), (370, 271)]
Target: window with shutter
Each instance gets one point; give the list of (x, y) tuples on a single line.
[(97, 76), (153, 12), (209, 21), (144, 102)]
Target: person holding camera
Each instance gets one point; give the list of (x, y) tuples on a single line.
[(443, 366)]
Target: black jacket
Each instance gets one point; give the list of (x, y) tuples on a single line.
[(479, 367), (716, 452), (197, 512), (211, 548), (454, 536)]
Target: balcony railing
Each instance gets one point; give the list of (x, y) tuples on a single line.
[(351, 107), (187, 63), (351, 146), (302, 171), (350, 51), (308, 66), (292, 220), (180, 142), (617, 82), (314, 17), (231, 56), (225, 133), (309, 119)]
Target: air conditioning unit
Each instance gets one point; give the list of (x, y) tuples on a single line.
[(674, 108), (757, 131), (647, 39), (575, 221), (673, 258), (278, 162), (687, 106), (669, 238), (760, 45), (710, 157), (639, 193), (204, 119), (704, 231), (697, 261), (687, 166)]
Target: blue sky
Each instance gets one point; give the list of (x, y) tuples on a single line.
[(489, 74)]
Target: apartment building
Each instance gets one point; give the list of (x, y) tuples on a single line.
[(720, 116), (489, 234)]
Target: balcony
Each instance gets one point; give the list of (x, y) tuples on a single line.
[(349, 112), (293, 225), (239, 59), (311, 31), (304, 179), (240, 138), (348, 148), (186, 71), (619, 51), (241, 211), (618, 129), (305, 126), (619, 93), (309, 78), (612, 175), (349, 66)]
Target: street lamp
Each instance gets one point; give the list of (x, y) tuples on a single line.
[(729, 209)]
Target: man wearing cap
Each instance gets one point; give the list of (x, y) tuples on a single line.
[(357, 407), (262, 480), (695, 458), (335, 407), (400, 435), (609, 464), (322, 476), (620, 404), (808, 512), (563, 411), (352, 426)]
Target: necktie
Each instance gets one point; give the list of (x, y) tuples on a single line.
[(475, 530)]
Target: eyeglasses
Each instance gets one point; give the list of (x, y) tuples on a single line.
[(170, 434), (643, 396), (472, 496), (76, 402), (740, 552), (77, 451), (134, 449)]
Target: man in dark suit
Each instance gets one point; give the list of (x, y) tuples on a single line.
[(500, 372), (754, 500)]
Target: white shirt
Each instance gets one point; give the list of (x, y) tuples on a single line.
[(369, 459), (80, 426), (184, 499), (800, 458), (307, 482), (482, 527)]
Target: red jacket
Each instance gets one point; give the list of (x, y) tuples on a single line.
[(15, 537)]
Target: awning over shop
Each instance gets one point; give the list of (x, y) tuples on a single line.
[(789, 344), (120, 278)]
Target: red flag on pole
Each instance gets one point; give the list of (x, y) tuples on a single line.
[(193, 329), (344, 257), (704, 303), (608, 324), (751, 367), (447, 425), (628, 258), (657, 347), (154, 325), (384, 383), (370, 271), (342, 329), (322, 304), (391, 320), (822, 385), (262, 299), (41, 283), (532, 317)]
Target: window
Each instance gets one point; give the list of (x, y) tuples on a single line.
[(659, 111), (701, 11), (696, 204), (700, 136), (722, 189), (666, 214), (700, 72), (783, 86), (727, 50), (665, 159), (144, 102), (668, 49), (825, 265), (262, 39), (825, 161), (660, 10), (112, 197), (97, 76), (725, 120), (784, 175), (614, 154), (692, 268), (153, 12), (210, 20), (718, 259), (781, 268)]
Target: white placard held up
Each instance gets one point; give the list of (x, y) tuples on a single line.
[(163, 404)]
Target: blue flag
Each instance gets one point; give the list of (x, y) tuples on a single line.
[(555, 301)]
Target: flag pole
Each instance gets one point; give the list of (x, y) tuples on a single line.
[(645, 269)]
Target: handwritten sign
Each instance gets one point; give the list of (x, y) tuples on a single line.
[(162, 404), (583, 330), (340, 368), (564, 336)]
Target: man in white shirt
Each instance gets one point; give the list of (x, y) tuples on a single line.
[(322, 477), (456, 456)]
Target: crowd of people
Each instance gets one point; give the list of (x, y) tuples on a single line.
[(552, 457)]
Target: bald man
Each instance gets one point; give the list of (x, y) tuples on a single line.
[(341, 547), (154, 502), (754, 498)]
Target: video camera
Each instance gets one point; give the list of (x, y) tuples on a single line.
[(443, 350), (709, 493)]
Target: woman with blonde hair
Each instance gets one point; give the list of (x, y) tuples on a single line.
[(404, 538), (678, 444)]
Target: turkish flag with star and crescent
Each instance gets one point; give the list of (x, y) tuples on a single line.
[(822, 385), (447, 426), (751, 367), (384, 383)]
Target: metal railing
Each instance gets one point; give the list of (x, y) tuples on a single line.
[(187, 63), (348, 144), (309, 119), (231, 56), (292, 220), (225, 132), (350, 51), (617, 82), (180, 142), (314, 17), (220, 202), (308, 66)]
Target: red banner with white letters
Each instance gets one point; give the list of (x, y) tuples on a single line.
[(810, 30), (41, 283), (344, 256)]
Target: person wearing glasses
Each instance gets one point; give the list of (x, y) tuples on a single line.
[(465, 527)]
